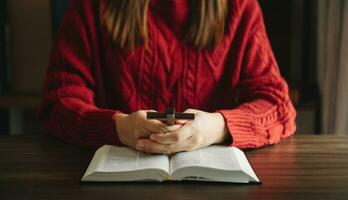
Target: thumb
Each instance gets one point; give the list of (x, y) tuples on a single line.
[(181, 121), (190, 110), (173, 128)]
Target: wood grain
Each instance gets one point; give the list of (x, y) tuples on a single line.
[(301, 167)]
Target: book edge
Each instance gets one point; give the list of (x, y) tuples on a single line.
[(243, 161), (96, 161), (101, 154)]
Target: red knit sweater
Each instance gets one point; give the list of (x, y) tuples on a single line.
[(89, 80)]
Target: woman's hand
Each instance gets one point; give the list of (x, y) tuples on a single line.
[(206, 129), (131, 128)]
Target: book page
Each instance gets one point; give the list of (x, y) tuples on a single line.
[(123, 159), (217, 157)]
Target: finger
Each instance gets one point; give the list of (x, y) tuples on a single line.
[(150, 111), (173, 128), (168, 129), (181, 121), (174, 137), (154, 147), (150, 146), (191, 111), (155, 126)]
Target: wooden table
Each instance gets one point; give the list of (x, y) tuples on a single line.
[(302, 167)]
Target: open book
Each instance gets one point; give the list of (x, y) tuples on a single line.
[(213, 163)]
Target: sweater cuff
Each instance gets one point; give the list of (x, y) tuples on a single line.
[(101, 125), (238, 125)]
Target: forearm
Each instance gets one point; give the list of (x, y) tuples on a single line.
[(222, 132), (259, 123), (78, 123)]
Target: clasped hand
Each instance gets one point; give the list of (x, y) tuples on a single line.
[(154, 136)]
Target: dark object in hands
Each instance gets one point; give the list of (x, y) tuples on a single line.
[(170, 116)]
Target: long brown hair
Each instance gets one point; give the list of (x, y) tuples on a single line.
[(126, 20)]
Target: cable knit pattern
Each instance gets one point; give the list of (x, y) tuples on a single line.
[(191, 78), (89, 80)]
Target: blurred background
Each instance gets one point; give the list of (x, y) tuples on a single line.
[(309, 38)]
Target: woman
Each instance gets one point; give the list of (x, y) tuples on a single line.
[(115, 60)]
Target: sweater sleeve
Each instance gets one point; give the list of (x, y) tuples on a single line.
[(264, 114), (68, 109)]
